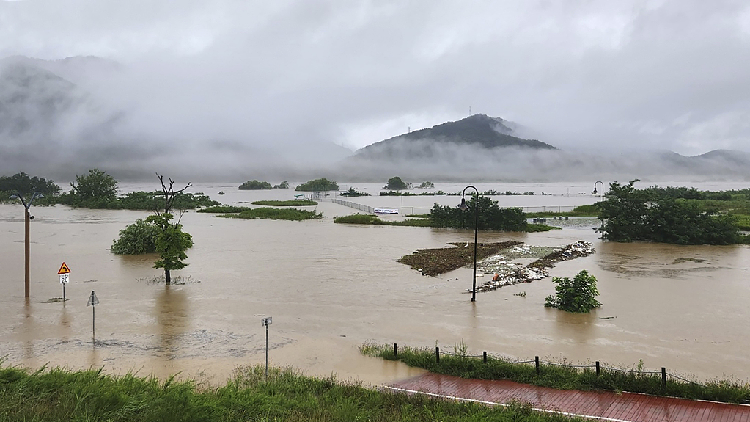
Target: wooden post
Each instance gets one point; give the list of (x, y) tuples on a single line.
[(598, 369), (395, 350), (536, 362), (663, 377), (437, 354), (484, 357)]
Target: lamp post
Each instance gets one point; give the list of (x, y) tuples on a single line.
[(463, 206), (596, 183), (28, 218)]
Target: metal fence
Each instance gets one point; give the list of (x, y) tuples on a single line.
[(596, 366), (366, 208)]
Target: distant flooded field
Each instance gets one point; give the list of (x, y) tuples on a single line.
[(331, 287)]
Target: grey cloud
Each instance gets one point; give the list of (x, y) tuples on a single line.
[(275, 84)]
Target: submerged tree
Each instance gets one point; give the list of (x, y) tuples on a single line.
[(171, 242)]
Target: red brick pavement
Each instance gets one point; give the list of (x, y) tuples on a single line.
[(594, 404)]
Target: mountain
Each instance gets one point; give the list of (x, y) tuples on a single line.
[(478, 130)]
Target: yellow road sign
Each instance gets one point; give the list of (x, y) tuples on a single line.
[(63, 269)]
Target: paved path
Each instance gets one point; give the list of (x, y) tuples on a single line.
[(593, 404)]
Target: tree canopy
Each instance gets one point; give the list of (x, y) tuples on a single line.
[(96, 189), (255, 185), (491, 216), (27, 186), (395, 183), (317, 185), (630, 214)]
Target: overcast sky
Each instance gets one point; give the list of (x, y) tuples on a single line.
[(592, 74)]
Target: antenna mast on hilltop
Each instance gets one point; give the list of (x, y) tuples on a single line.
[(469, 110)]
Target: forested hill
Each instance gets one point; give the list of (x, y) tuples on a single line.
[(476, 130)]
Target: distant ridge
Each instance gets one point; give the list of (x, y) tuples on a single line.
[(478, 130)]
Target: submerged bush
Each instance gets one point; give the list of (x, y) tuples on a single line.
[(136, 239), (577, 295)]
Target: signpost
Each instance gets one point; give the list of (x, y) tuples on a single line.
[(64, 273), (266, 322), (93, 301)]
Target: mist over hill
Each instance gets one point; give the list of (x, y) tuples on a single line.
[(59, 118)]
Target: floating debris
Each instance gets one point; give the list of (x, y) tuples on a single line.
[(506, 273)]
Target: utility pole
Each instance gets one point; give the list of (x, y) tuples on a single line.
[(27, 219)]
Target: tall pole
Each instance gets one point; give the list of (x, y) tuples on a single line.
[(266, 352), (27, 219), (463, 206), (26, 254), (476, 230)]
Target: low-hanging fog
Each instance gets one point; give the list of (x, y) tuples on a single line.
[(225, 90)]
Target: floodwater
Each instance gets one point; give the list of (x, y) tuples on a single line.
[(332, 287)]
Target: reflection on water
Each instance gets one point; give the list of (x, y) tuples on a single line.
[(332, 287), (172, 312)]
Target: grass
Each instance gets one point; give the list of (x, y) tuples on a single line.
[(563, 377), (275, 214), (62, 395), (287, 203)]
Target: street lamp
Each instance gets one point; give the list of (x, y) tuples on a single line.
[(27, 205), (596, 183), (463, 206)]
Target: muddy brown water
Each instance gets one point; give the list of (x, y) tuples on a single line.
[(332, 287)]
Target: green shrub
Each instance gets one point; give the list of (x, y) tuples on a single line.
[(577, 295), (136, 239)]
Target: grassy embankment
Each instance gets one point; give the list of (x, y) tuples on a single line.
[(62, 395), (262, 213), (415, 220), (563, 377)]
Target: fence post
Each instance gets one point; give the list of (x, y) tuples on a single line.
[(484, 357), (395, 350), (598, 369), (437, 354), (663, 377), (536, 362)]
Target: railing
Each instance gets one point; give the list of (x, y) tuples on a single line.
[(596, 366), (366, 208)]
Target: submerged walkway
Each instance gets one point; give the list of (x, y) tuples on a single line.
[(597, 405)]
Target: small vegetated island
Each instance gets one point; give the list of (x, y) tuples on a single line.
[(258, 185), (267, 210), (318, 185)]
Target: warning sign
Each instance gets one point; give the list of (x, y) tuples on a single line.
[(63, 269)]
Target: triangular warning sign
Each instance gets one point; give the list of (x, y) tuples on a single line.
[(63, 269)]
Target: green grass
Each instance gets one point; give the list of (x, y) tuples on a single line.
[(287, 203), (359, 219), (61, 395), (563, 377), (275, 214)]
